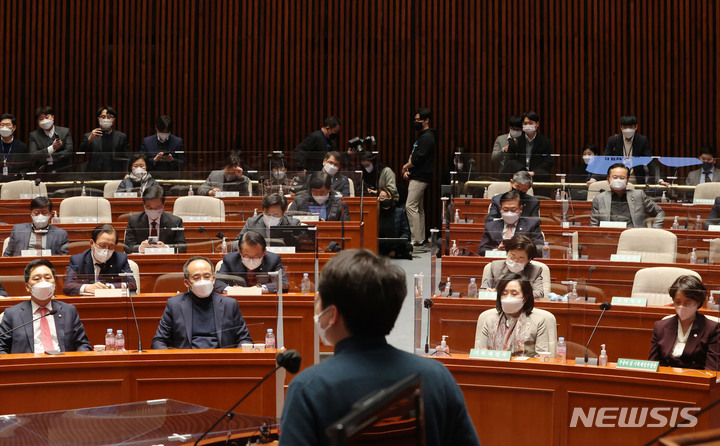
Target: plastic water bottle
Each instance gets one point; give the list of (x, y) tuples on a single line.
[(472, 289), (269, 340), (223, 246), (698, 223), (109, 341), (305, 284), (119, 341), (562, 351), (546, 251), (457, 216), (454, 251), (190, 191), (693, 256), (676, 224)]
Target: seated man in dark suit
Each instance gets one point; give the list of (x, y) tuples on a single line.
[(708, 173), (99, 267), (321, 199), (274, 207), (201, 318), (252, 262), (62, 332), (230, 179), (521, 182), (510, 225), (166, 228), (164, 150), (50, 145), (15, 156), (332, 165), (109, 149), (39, 234)]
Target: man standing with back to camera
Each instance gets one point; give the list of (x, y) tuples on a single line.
[(419, 172)]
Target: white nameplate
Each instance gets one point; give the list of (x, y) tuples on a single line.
[(85, 220), (703, 201), (613, 224), (30, 196), (161, 250), (281, 249), (637, 258), (197, 218), (125, 195), (629, 301), (110, 292), (496, 254), (487, 295), (226, 194), (244, 291), (714, 228), (35, 253), (307, 217)]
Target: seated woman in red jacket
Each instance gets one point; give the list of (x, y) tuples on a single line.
[(689, 339)]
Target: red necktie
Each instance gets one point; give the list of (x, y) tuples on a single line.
[(45, 331), (153, 229)]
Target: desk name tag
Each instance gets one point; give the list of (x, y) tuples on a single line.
[(636, 258), (244, 291), (714, 228), (637, 364), (227, 194), (197, 218), (487, 295), (110, 292), (613, 224), (703, 201), (494, 355), (163, 250), (281, 249), (29, 196), (303, 218), (125, 195), (495, 253), (35, 253), (630, 301), (85, 220)]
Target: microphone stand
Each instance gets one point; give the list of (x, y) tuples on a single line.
[(593, 361), (587, 282), (49, 313), (201, 230)]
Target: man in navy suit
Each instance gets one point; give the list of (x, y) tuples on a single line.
[(39, 234), (164, 150), (252, 262), (62, 332), (510, 225), (521, 182), (99, 267), (201, 318), (154, 222)]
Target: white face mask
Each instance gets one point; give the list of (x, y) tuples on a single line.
[(5, 132), (369, 168), (40, 221), (43, 290), (529, 129), (511, 305), (139, 172), (279, 175), (514, 266), (105, 124), (251, 264), (202, 288), (330, 169), (587, 158), (628, 133), (510, 217), (153, 214), (516, 133), (321, 199), (46, 124), (686, 312), (162, 137), (618, 184), (322, 331), (269, 220), (101, 254)]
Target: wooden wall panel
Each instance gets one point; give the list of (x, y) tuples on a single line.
[(260, 75)]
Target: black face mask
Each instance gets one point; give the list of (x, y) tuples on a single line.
[(333, 136), (417, 125), (386, 203)]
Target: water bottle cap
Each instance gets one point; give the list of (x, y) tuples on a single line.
[(270, 330), (472, 280), (305, 274), (109, 330), (119, 331), (561, 339)]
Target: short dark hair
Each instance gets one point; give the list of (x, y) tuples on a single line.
[(616, 165), (511, 195), (153, 193), (523, 243), (525, 286), (274, 200), (192, 259), (331, 122), (134, 157), (516, 121), (334, 154), (34, 264), (320, 179), (523, 177), (531, 115), (252, 238), (110, 111), (424, 113), (626, 120), (367, 290), (9, 116), (277, 163), (234, 159), (706, 150), (691, 287), (103, 229), (164, 122), (591, 147), (41, 202), (43, 110)]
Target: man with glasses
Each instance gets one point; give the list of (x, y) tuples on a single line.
[(50, 144), (252, 262), (109, 149), (201, 318), (100, 266)]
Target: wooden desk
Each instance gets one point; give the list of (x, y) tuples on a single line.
[(213, 378), (532, 402)]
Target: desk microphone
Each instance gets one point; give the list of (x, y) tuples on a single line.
[(587, 282), (202, 230), (137, 327), (290, 360), (593, 361), (50, 313)]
